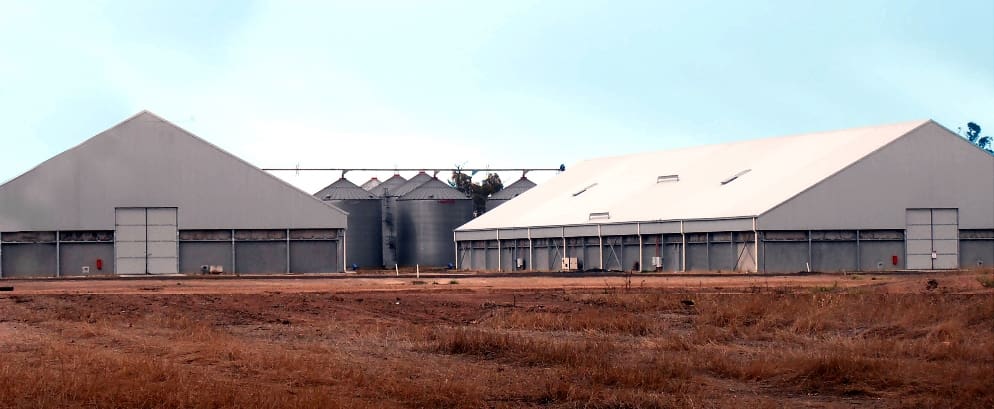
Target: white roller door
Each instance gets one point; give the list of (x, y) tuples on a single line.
[(145, 241), (932, 239)]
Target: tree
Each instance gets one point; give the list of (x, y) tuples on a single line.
[(973, 135), (479, 192)]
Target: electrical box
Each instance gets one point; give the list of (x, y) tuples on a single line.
[(519, 263), (86, 269), (657, 262), (570, 264)]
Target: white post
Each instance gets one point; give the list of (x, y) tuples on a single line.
[(600, 245), (755, 231), (499, 250), (345, 250), (233, 270), (397, 269), (58, 255), (417, 270), (531, 251), (683, 248), (638, 230)]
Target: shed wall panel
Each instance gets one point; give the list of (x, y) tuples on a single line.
[(260, 257), (74, 256), (314, 256), (192, 255), (28, 260)]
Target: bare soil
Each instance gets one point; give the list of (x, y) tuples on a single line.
[(826, 341)]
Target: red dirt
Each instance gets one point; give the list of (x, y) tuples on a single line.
[(483, 341)]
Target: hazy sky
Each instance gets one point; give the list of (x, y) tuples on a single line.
[(485, 83)]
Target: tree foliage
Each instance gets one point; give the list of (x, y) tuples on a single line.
[(477, 191), (973, 135)]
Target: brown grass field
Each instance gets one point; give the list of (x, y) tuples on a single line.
[(479, 342)]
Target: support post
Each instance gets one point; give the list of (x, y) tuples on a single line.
[(638, 230), (233, 269), (500, 266), (859, 254), (345, 250), (531, 250), (810, 261), (755, 232), (1, 255), (58, 255), (600, 245), (456, 264), (288, 251), (683, 249), (707, 249)]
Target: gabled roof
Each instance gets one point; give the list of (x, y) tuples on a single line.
[(343, 189), (738, 179), (434, 189), (146, 161)]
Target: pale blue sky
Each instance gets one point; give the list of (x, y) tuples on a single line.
[(499, 83)]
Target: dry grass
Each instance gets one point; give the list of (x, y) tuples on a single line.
[(592, 349)]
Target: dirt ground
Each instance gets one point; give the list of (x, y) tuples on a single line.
[(874, 340), (959, 282)]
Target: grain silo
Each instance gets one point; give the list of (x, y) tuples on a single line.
[(510, 192), (364, 235), (371, 183), (388, 236), (428, 215)]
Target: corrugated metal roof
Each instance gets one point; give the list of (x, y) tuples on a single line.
[(739, 179), (371, 183), (434, 189), (513, 190), (389, 184), (343, 189), (410, 185)]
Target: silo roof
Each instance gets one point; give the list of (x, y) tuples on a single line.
[(389, 184), (371, 183), (343, 189), (513, 190), (434, 189), (410, 185)]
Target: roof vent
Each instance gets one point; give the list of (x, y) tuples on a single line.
[(735, 176), (667, 178), (599, 216), (584, 189)]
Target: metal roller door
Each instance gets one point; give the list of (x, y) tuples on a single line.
[(932, 239), (145, 241)]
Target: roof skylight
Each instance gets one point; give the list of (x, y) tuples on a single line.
[(667, 178), (599, 216), (584, 189), (735, 176)]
